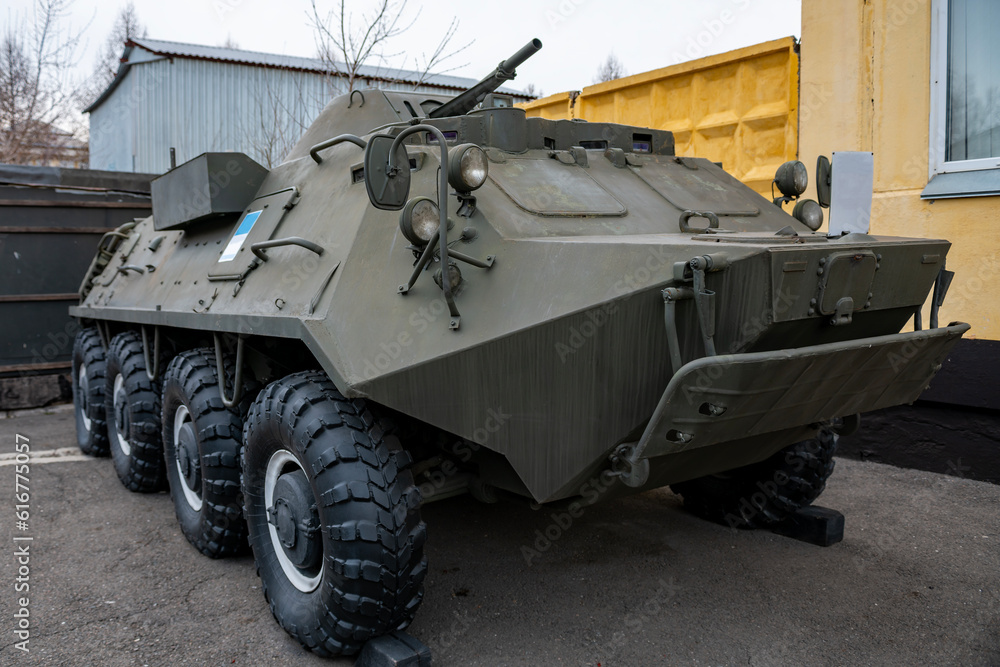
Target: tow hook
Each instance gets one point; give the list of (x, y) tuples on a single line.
[(633, 473)]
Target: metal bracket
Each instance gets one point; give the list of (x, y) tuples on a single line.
[(478, 263), (103, 333), (425, 257), (671, 296), (466, 204), (237, 376), (941, 285), (704, 302), (152, 375)]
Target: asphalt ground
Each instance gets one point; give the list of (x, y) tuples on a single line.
[(634, 581)]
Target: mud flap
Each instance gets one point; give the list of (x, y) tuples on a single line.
[(723, 398)]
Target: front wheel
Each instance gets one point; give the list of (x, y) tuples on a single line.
[(333, 515), (763, 494)]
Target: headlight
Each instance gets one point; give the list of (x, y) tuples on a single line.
[(419, 220), (809, 213), (791, 178), (467, 167)]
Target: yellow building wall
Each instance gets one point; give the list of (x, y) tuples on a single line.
[(738, 108), (865, 85)]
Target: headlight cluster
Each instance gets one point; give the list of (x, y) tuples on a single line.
[(467, 171)]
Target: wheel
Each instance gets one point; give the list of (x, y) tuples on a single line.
[(132, 403), (333, 515), (88, 393), (201, 451), (764, 493)]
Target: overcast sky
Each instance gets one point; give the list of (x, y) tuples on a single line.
[(577, 35)]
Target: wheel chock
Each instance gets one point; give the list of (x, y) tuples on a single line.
[(397, 649), (815, 525)]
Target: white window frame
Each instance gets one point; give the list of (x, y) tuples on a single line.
[(939, 101)]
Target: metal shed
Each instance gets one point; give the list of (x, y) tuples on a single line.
[(203, 98)]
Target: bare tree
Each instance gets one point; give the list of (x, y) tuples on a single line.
[(126, 27), (428, 65), (230, 43), (610, 69), (277, 120), (531, 90), (346, 43), (36, 55)]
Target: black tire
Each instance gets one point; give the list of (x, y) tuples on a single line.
[(132, 405), (88, 393), (337, 467), (764, 493), (201, 451)]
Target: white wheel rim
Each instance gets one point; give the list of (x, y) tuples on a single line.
[(279, 461), (119, 397), (193, 500), (82, 387)]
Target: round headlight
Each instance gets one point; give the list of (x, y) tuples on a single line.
[(808, 213), (420, 218), (792, 178), (467, 167)]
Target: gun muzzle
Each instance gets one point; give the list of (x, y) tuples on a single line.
[(525, 52)]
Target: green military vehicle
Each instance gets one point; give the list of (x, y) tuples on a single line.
[(434, 296)]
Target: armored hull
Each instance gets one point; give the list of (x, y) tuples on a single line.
[(563, 338)]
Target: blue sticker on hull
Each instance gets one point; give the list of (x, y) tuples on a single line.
[(235, 243)]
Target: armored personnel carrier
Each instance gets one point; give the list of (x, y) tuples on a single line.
[(435, 296)]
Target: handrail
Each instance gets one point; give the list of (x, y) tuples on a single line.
[(259, 247), (339, 139)]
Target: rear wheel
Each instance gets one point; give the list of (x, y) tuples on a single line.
[(132, 404), (88, 393), (333, 515), (201, 449), (763, 494)]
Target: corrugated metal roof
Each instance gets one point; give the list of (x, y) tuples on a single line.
[(169, 49), (219, 53)]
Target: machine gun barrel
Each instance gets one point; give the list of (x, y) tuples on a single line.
[(467, 101)]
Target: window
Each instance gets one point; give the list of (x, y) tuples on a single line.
[(965, 99)]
